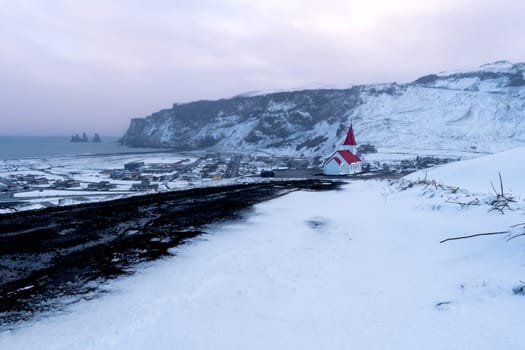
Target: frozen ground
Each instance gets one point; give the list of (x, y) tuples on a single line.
[(360, 268)]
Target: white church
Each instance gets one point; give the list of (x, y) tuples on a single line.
[(344, 161)]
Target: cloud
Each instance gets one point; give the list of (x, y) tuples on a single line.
[(107, 61)]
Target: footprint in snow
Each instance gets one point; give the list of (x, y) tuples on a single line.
[(317, 224)]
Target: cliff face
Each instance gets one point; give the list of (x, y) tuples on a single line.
[(481, 109)]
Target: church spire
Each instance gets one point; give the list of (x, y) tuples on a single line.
[(350, 138)]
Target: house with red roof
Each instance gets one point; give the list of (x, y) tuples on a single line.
[(344, 161)]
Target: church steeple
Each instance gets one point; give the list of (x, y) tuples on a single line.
[(350, 139)]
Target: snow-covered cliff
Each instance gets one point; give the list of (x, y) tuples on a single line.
[(472, 110)]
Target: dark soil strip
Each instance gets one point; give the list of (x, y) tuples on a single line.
[(48, 254)]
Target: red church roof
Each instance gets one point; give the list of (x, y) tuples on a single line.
[(349, 157), (337, 160), (350, 138)]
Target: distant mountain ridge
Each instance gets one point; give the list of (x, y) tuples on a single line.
[(481, 109)]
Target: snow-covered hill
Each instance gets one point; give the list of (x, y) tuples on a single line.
[(477, 175), (479, 110), (360, 268)]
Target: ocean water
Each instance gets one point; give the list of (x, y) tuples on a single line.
[(20, 147)]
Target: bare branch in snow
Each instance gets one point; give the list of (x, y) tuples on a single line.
[(464, 204), (518, 235), (474, 235)]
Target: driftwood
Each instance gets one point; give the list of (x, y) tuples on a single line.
[(474, 235)]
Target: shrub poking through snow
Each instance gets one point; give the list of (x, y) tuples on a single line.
[(502, 200)]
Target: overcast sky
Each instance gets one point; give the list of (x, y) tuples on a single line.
[(71, 66)]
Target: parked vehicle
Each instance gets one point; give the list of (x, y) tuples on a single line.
[(267, 173)]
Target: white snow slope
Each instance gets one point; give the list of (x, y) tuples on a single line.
[(360, 268), (476, 175)]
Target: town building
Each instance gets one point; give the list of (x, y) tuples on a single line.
[(144, 185), (133, 166), (66, 184), (101, 186)]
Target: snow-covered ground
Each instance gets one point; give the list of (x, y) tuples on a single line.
[(360, 268), (476, 175)]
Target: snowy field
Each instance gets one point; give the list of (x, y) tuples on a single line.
[(360, 268)]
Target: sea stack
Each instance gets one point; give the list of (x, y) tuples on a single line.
[(84, 138)]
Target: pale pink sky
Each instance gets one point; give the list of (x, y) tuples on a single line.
[(72, 65)]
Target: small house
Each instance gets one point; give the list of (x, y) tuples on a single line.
[(144, 185), (101, 186), (133, 166)]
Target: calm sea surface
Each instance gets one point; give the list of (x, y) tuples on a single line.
[(17, 147)]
